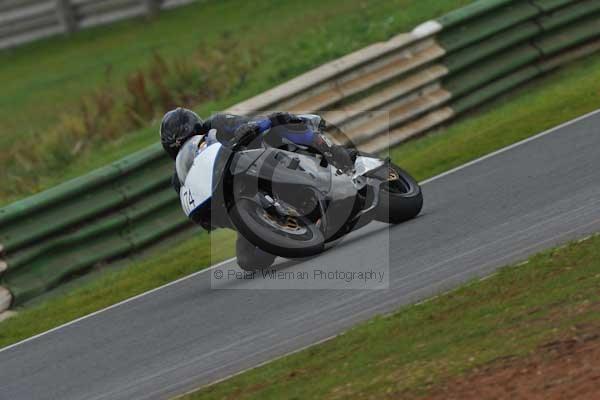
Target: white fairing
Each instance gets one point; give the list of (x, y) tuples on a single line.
[(185, 157), (362, 165), (197, 188)]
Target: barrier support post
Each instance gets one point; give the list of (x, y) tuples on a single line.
[(152, 7), (66, 16)]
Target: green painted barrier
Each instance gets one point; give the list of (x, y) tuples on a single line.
[(475, 30), (549, 5), (494, 89), (568, 14), (571, 35), (509, 42), (481, 73), (107, 238), (30, 220), (469, 56), (471, 11), (106, 214)]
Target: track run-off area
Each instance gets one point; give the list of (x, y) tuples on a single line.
[(476, 218)]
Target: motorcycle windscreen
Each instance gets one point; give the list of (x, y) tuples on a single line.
[(197, 189)]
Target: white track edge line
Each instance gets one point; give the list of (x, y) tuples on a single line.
[(510, 147), (443, 174)]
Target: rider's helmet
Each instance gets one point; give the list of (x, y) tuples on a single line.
[(176, 127)]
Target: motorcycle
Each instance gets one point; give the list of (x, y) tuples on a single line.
[(290, 201)]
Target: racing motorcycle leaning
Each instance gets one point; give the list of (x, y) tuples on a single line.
[(289, 200)]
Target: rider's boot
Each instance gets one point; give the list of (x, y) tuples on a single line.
[(250, 257)]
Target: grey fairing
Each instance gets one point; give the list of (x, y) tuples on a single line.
[(277, 166), (290, 172)]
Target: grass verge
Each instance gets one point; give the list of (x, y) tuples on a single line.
[(404, 354), (554, 99)]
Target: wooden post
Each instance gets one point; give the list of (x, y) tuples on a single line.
[(66, 16), (152, 7)]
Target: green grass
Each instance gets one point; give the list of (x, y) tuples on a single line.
[(48, 81), (561, 96), (403, 354)]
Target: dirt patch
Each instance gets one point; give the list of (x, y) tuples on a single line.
[(568, 368)]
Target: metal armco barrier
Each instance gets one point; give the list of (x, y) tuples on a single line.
[(419, 80), (24, 21)]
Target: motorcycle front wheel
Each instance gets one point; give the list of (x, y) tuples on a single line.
[(284, 236)]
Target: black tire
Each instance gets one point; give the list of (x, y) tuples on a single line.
[(251, 258), (247, 217), (400, 199)]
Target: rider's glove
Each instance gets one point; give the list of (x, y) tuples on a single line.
[(283, 118), (244, 135), (340, 157)]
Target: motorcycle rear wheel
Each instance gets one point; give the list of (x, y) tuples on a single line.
[(400, 198)]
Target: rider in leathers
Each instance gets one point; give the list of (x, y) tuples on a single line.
[(184, 134)]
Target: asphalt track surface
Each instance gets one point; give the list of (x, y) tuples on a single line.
[(477, 218)]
